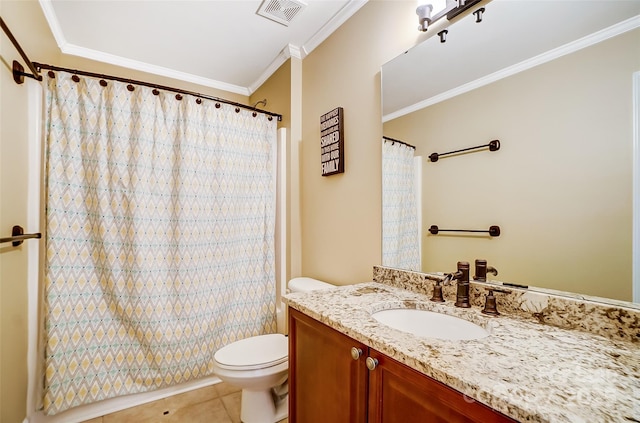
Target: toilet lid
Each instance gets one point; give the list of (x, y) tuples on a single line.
[(303, 284), (256, 352)]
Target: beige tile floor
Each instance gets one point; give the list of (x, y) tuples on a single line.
[(218, 403)]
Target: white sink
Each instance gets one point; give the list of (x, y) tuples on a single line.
[(429, 324)]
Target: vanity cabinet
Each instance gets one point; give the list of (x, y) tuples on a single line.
[(333, 378), (325, 383)]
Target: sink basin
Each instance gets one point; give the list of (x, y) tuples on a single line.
[(429, 324)]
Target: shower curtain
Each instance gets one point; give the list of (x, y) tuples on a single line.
[(400, 227), (160, 214)]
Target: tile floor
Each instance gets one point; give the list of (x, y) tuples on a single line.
[(218, 403)]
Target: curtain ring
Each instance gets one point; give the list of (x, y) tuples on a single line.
[(155, 92), (198, 100), (178, 97), (51, 74), (254, 114), (75, 78), (103, 83), (237, 109), (270, 118), (130, 87), (217, 105)]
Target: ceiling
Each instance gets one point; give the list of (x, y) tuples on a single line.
[(514, 35), (222, 44)]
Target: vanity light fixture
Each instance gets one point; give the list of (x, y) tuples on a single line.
[(429, 11)]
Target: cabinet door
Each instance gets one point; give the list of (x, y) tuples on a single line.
[(325, 383), (399, 394)]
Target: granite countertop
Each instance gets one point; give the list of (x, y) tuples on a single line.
[(526, 370)]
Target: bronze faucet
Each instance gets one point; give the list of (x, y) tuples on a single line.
[(462, 277), (482, 269)]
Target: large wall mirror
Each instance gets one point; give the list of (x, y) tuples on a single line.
[(557, 83)]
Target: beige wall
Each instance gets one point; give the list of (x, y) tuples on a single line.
[(560, 187), (341, 214), (277, 91), (26, 22)]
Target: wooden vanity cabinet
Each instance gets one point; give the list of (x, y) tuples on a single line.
[(400, 394), (327, 384)]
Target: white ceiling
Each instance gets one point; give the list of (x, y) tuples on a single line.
[(222, 44), (514, 35)]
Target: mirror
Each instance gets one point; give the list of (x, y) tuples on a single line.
[(553, 81)]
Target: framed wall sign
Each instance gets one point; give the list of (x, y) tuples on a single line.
[(332, 142)]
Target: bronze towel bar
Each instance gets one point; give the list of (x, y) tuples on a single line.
[(493, 146), (493, 230), (18, 235)]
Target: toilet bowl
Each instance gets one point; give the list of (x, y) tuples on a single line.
[(259, 365)]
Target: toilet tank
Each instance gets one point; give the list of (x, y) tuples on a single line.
[(297, 285), (307, 285)]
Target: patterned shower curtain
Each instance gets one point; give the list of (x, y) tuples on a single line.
[(400, 229), (160, 218)]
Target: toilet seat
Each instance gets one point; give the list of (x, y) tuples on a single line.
[(256, 352)]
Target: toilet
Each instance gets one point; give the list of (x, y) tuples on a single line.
[(259, 365)]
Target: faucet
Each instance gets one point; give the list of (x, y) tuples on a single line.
[(462, 277), (482, 269)]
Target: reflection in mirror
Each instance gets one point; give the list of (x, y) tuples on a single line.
[(400, 198), (561, 103)]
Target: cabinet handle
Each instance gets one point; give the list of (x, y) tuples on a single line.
[(356, 353), (372, 363)]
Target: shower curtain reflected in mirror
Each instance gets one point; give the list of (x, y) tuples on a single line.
[(160, 219), (400, 200)]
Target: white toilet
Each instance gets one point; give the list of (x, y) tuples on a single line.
[(259, 365)]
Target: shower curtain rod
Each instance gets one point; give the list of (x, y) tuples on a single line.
[(41, 66), (398, 141), (18, 69)]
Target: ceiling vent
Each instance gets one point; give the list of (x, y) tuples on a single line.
[(281, 11)]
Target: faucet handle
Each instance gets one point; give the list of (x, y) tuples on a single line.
[(490, 305), (437, 292), (451, 277)]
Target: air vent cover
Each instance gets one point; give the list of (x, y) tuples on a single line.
[(281, 11)]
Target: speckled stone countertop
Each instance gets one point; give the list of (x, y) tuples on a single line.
[(526, 370)]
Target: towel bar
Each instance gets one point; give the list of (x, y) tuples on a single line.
[(18, 236), (493, 230)]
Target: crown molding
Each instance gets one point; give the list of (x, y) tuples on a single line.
[(99, 56), (152, 69), (289, 51), (54, 25), (301, 52), (295, 51), (579, 44), (341, 17), (282, 57)]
